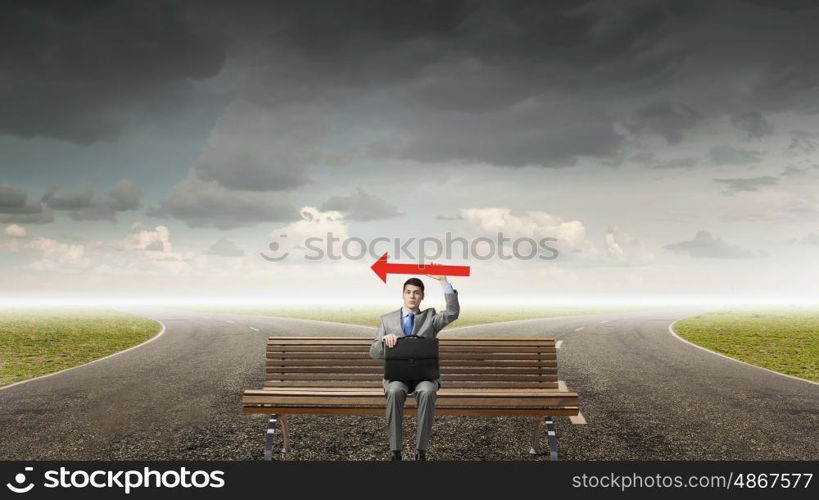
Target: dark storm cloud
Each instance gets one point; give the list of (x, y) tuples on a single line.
[(71, 200), (523, 134), (506, 83), (520, 83), (420, 40), (83, 71), (667, 119), (255, 148), (11, 196), (787, 5), (513, 83), (705, 246), (15, 207), (503, 83), (361, 205), (207, 204), (245, 171), (87, 204)]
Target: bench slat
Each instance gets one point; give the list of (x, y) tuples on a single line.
[(475, 340), (380, 363), (272, 369), (380, 390), (377, 401), (441, 392), (443, 347), (444, 340), (546, 383), (567, 411), (453, 356), (369, 376)]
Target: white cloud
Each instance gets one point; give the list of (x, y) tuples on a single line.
[(57, 255), (144, 251), (573, 242), (314, 222), (9, 245), (532, 224), (15, 231), (625, 249)]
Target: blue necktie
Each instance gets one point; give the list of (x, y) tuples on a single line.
[(408, 321)]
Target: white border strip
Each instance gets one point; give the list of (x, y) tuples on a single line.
[(161, 331), (671, 330)]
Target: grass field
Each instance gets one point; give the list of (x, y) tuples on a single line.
[(785, 340), (369, 315), (35, 342)]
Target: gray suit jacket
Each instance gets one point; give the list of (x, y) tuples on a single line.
[(427, 324)]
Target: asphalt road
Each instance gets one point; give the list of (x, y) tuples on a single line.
[(645, 394)]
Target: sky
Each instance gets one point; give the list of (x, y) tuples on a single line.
[(634, 151)]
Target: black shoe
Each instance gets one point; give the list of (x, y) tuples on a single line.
[(396, 455), (421, 455)]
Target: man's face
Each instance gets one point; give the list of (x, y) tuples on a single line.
[(413, 295)]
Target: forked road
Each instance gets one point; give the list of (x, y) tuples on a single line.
[(645, 394)]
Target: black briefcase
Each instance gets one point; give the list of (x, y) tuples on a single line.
[(412, 359)]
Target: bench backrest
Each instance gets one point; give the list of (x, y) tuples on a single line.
[(338, 362)]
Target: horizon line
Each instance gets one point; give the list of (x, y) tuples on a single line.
[(275, 301)]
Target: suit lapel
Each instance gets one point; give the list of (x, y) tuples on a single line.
[(419, 319), (397, 317)]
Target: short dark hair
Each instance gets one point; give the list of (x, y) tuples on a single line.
[(415, 282)]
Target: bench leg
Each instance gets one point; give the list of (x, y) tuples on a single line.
[(272, 424), (551, 433), (285, 435), (275, 423)]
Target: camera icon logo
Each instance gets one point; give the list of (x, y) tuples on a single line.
[(20, 478)]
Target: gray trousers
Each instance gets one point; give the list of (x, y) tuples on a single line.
[(425, 394)]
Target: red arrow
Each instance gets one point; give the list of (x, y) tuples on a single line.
[(382, 268)]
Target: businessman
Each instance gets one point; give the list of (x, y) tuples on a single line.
[(410, 320)]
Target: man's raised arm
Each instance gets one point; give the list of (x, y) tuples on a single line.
[(453, 308)]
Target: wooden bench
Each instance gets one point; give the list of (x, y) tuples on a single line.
[(480, 377)]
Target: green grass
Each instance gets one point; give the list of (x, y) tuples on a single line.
[(36, 342), (785, 340), (368, 315)]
